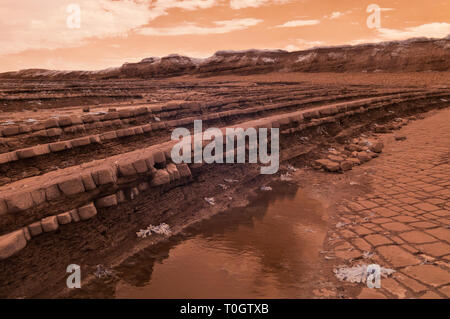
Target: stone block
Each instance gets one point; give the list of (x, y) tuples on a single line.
[(35, 229), (71, 185), (49, 224), (103, 176), (107, 201), (64, 218), (59, 146), (87, 211)]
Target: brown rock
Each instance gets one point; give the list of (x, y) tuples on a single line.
[(335, 158), (140, 166), (161, 177), (12, 243), (19, 202), (364, 157), (49, 224), (71, 186), (328, 165), (64, 218), (52, 132), (376, 147), (173, 172), (126, 169), (184, 170), (82, 141), (88, 182), (52, 192), (106, 201), (74, 215), (38, 196), (346, 165), (3, 207), (103, 176), (26, 233), (159, 157), (87, 212), (59, 146), (11, 130), (35, 229)]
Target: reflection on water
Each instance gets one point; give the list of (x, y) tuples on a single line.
[(266, 250)]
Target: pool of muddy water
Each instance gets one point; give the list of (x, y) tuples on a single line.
[(269, 249)]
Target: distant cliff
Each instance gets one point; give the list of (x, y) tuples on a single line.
[(414, 55)]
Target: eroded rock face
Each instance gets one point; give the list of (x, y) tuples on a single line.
[(397, 56)]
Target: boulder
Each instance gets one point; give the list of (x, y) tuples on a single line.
[(12, 243)]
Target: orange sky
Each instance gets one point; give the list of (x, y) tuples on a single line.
[(35, 33)]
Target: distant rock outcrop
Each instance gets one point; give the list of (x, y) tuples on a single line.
[(413, 55)]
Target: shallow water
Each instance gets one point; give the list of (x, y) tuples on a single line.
[(268, 249)]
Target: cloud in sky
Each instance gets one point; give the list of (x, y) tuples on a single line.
[(219, 27), (240, 4), (428, 30), (42, 24), (298, 23)]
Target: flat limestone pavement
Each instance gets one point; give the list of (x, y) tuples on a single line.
[(404, 222)]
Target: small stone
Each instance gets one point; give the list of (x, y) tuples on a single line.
[(399, 137), (376, 147)]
